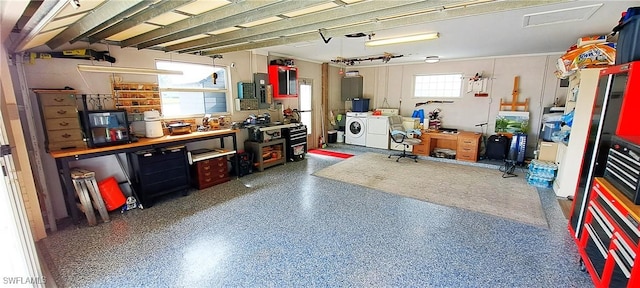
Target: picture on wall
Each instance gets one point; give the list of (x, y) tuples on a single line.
[(512, 122)]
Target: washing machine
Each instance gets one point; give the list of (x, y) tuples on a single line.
[(356, 128)]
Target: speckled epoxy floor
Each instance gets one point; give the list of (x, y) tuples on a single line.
[(284, 227)]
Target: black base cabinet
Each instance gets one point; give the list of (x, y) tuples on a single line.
[(159, 172)]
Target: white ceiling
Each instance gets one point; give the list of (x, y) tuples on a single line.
[(480, 28)]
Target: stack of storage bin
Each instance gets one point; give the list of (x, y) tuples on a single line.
[(541, 173)]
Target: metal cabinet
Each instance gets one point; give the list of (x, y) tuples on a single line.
[(267, 154), (351, 87), (609, 244), (284, 81)]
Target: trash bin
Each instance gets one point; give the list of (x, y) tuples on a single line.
[(332, 136), (340, 136)]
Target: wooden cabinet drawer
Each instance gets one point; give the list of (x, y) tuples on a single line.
[(467, 155), (60, 99), (61, 145), (64, 135), (60, 112), (468, 142), (62, 123), (420, 149)]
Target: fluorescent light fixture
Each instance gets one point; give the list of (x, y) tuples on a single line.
[(404, 39), (432, 59), (126, 70)]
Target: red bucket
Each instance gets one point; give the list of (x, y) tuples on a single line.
[(111, 193)]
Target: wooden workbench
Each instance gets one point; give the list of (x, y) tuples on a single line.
[(64, 157)]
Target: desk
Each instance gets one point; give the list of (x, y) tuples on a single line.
[(466, 144), (64, 157)]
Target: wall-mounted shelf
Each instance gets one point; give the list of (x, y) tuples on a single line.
[(137, 97)]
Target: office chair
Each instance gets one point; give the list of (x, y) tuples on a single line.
[(399, 135)]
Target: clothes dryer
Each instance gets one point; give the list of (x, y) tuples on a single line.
[(356, 128), (378, 132)]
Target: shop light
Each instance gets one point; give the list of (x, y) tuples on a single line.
[(432, 59), (404, 39), (127, 70)]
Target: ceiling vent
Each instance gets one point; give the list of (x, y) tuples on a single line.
[(560, 16)]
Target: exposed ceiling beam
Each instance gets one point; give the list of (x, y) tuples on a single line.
[(387, 24), (45, 13), (238, 19), (195, 21), (335, 17), (113, 20), (153, 11), (107, 10)]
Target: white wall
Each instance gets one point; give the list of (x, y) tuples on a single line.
[(393, 82), (537, 82)]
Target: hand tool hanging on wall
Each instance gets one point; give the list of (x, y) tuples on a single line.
[(83, 54)]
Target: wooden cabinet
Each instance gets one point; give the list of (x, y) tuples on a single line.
[(609, 244), (284, 81), (136, 98), (60, 119), (267, 154), (581, 96), (468, 146), (351, 87), (210, 172)]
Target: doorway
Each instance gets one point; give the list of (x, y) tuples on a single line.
[(305, 98)]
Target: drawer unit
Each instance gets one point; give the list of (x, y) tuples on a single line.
[(160, 171), (424, 147), (468, 147), (609, 242), (60, 119), (209, 172), (296, 142)]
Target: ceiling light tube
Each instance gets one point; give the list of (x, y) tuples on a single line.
[(396, 40), (126, 70), (432, 59)]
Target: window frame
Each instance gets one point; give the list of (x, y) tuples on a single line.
[(228, 91), (460, 91)]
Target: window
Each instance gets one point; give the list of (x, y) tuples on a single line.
[(202, 89), (438, 86)]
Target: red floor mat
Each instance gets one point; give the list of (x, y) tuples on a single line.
[(330, 153)]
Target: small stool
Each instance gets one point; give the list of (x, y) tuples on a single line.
[(87, 190)]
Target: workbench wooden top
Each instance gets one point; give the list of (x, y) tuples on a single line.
[(142, 142)]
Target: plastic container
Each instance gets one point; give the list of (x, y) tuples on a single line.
[(628, 47), (539, 181), (340, 136), (360, 105), (332, 136), (111, 194), (548, 128)]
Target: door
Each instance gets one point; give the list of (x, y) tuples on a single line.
[(305, 103)]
